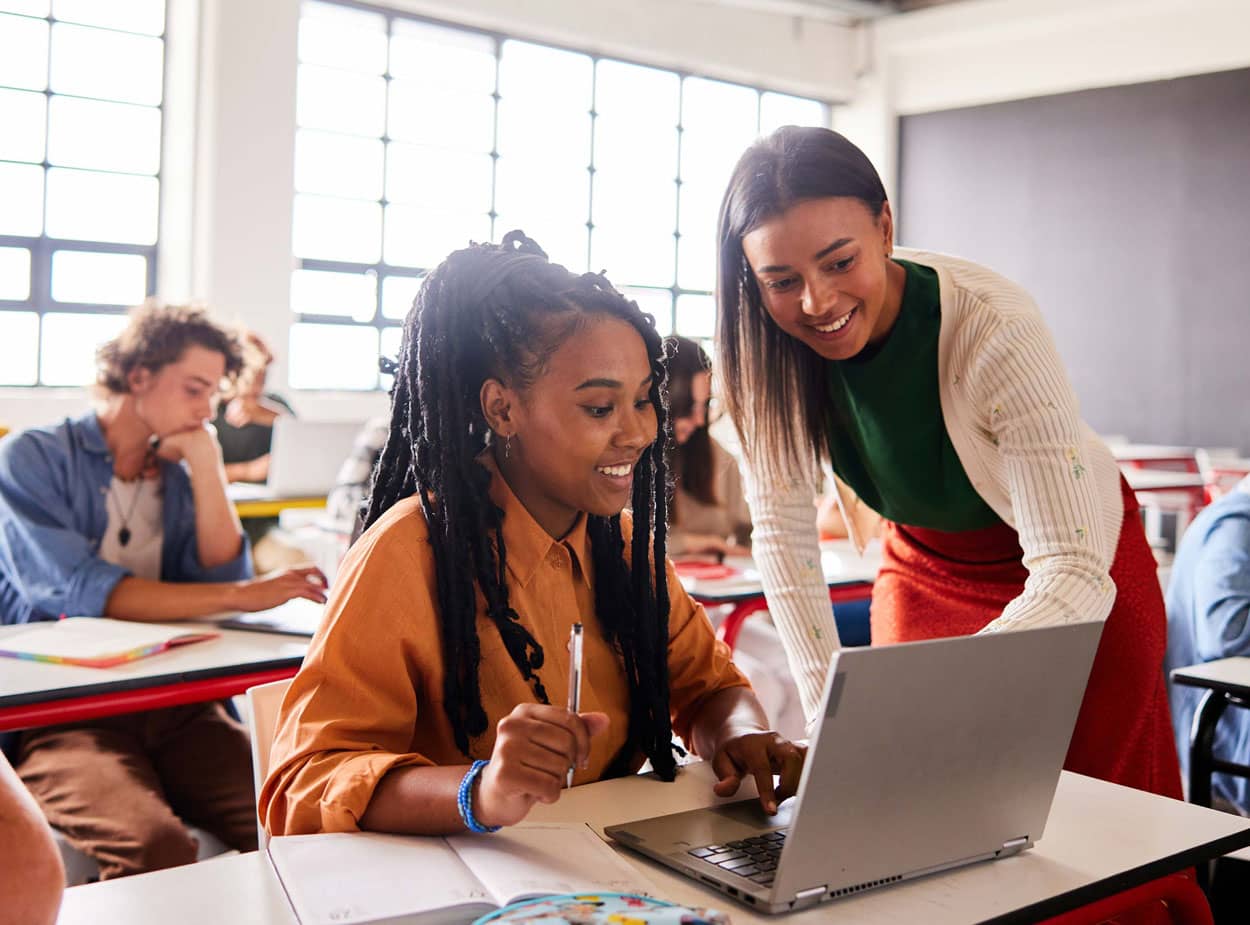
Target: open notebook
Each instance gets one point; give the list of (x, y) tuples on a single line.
[(96, 642), (335, 879)]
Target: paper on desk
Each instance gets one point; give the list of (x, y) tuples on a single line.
[(539, 859)]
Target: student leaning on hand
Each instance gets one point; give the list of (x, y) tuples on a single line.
[(527, 414)]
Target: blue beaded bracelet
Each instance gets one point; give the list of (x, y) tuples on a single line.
[(464, 800)]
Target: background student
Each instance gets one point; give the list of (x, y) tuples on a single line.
[(933, 388), (31, 874), (709, 513), (122, 512), (244, 423), (525, 417), (1208, 603)]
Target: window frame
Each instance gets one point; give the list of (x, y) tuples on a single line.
[(380, 270), (39, 300)]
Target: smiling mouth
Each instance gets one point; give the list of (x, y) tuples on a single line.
[(616, 472), (837, 324)]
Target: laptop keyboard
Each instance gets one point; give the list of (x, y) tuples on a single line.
[(754, 858)]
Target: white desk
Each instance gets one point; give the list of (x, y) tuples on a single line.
[(1101, 839), (38, 693)]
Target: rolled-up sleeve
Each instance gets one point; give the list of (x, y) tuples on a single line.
[(46, 559), (699, 664), (350, 714)]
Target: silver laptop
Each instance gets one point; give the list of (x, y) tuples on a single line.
[(304, 459), (930, 755)]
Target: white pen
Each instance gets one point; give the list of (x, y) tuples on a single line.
[(575, 679)]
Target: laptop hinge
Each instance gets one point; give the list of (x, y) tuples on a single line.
[(805, 898), (1015, 844)]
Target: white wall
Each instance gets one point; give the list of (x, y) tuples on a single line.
[(986, 51), (229, 169)]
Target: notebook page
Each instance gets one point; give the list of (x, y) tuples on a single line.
[(358, 877), (539, 859), (78, 640)]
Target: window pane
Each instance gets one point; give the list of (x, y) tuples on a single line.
[(70, 341), (333, 356), (564, 241), (562, 141), (634, 225), (696, 262), (104, 136), (438, 57), (14, 274), (147, 16), (696, 315), (778, 109), (23, 52), (658, 303), (718, 120), (26, 7), (642, 95), (338, 36), (102, 206), (337, 229), (320, 292), (531, 191), (417, 237), (560, 79), (439, 177), (462, 121), (340, 101), (398, 293), (23, 116), (107, 65), (19, 347), (627, 257), (625, 146), (99, 279), (338, 165), (21, 191)]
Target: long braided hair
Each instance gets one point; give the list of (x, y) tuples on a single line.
[(500, 311)]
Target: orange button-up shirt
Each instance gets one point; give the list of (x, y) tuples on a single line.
[(369, 696)]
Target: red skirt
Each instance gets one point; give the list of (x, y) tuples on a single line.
[(934, 583)]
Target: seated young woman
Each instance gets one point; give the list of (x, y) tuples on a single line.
[(710, 514), (527, 413)]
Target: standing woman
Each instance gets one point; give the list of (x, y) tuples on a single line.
[(933, 388)]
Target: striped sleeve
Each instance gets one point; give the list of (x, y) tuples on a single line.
[(1056, 486), (786, 549)]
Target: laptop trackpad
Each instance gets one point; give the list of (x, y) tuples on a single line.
[(750, 813)]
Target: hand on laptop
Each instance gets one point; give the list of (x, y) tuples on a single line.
[(535, 745), (760, 755)]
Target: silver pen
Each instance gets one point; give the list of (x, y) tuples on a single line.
[(575, 679)]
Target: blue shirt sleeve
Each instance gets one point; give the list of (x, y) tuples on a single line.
[(44, 556), (181, 560), (1222, 589)]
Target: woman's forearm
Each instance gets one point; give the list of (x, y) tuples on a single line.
[(730, 712), (416, 800)]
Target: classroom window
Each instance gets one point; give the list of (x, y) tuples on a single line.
[(415, 137), (81, 86)]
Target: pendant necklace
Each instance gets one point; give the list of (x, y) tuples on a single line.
[(123, 535)]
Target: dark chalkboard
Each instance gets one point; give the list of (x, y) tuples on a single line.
[(1126, 212)]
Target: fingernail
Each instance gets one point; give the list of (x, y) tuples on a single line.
[(772, 807)]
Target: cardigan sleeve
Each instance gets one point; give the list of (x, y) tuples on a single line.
[(1027, 410), (786, 549)]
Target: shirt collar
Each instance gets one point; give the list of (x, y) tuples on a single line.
[(526, 543), (91, 433)]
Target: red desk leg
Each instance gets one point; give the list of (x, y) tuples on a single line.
[(732, 625)]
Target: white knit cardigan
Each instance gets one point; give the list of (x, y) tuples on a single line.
[(1014, 422)]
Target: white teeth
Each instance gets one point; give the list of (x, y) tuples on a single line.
[(618, 471), (837, 325)]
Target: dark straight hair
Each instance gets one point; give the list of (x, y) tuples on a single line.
[(692, 468), (774, 386)]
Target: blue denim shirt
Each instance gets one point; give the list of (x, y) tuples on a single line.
[(1208, 604), (53, 489)]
